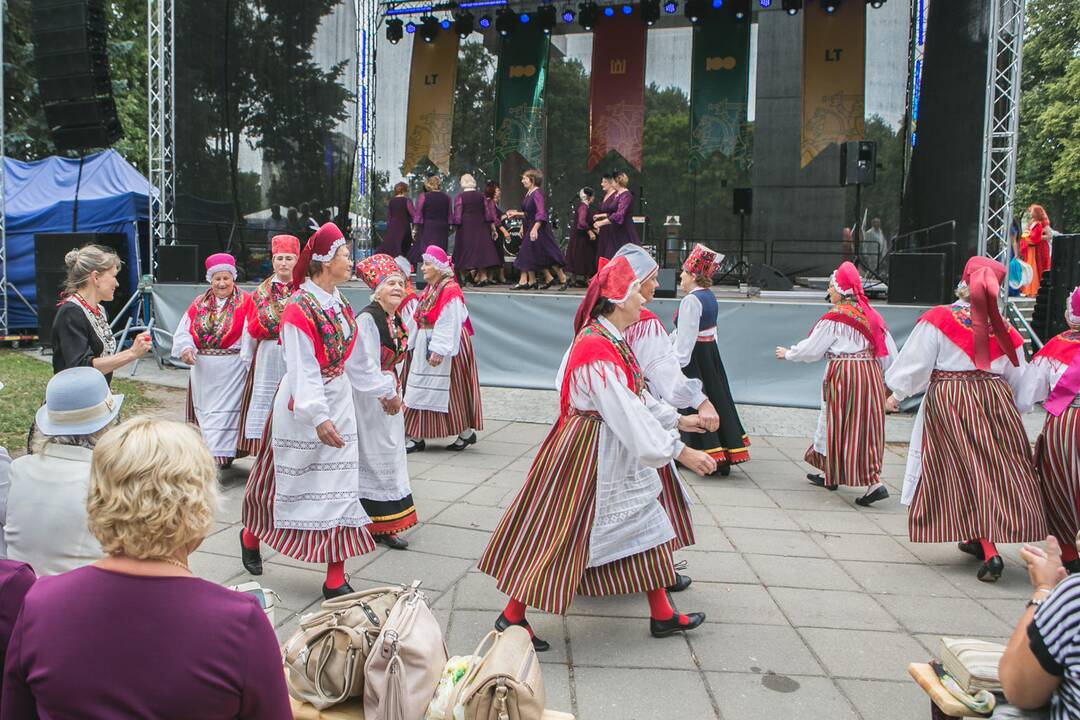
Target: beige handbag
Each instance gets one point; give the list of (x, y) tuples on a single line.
[(324, 659), (404, 665), (506, 684)]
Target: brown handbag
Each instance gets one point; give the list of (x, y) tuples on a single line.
[(505, 684)]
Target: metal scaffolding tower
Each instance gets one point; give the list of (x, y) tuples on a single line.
[(3, 213), (161, 76), (368, 17)]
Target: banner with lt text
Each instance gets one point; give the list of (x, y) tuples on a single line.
[(720, 83), (519, 96), (834, 77), (617, 89), (431, 102)]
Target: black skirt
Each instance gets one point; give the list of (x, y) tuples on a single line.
[(729, 444)]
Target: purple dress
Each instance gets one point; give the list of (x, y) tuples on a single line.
[(398, 238), (581, 253), (15, 580), (433, 216), (473, 247), (605, 237), (622, 220), (544, 251), (98, 644)]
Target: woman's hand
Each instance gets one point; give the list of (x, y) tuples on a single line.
[(391, 406), (690, 423), (1044, 566), (708, 417), (188, 356), (141, 345), (534, 233), (781, 353), (892, 405), (328, 434), (697, 461), (435, 359)]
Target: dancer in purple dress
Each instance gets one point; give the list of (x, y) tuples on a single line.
[(499, 234), (539, 250), (433, 216), (581, 254), (473, 246), (399, 215), (619, 215), (605, 232)]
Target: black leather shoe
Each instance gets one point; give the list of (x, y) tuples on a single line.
[(461, 443), (549, 284), (867, 500), (252, 559), (331, 593), (971, 547), (819, 480), (392, 541), (663, 628), (723, 469), (501, 623), (519, 287), (991, 570), (681, 583), (417, 446)]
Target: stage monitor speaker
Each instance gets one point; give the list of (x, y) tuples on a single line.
[(858, 162), (767, 277), (50, 273), (178, 263), (1057, 284), (742, 201), (667, 282), (918, 279)]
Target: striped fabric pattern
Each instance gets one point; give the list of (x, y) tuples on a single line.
[(247, 446), (1058, 466), (465, 410), (676, 507), (977, 477), (854, 396), (539, 551), (1054, 636)]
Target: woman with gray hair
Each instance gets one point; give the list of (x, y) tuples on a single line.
[(431, 219), (474, 219)]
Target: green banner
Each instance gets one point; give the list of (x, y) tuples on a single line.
[(519, 100), (720, 84)]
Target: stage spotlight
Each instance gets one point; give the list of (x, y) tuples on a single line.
[(524, 18), (670, 7), (505, 20), (429, 28), (568, 14), (694, 9), (545, 18), (741, 8), (765, 3), (830, 6), (485, 21), (609, 11), (627, 9), (445, 23), (588, 14), (717, 4), (463, 24), (394, 32), (876, 4), (791, 7), (410, 27), (650, 11)]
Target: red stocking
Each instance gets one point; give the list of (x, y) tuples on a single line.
[(660, 607), (249, 540), (335, 574), (1068, 551), (988, 548)]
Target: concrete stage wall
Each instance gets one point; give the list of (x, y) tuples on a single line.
[(521, 337)]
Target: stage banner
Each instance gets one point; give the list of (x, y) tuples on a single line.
[(519, 96), (617, 89), (834, 54), (431, 102), (720, 82)]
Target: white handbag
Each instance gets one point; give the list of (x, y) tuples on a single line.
[(268, 599)]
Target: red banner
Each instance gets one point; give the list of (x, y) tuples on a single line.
[(617, 89)]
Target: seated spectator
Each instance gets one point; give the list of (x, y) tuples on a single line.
[(15, 579), (46, 505), (1041, 665), (136, 634)]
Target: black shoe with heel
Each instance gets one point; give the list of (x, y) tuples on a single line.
[(331, 593), (867, 500), (819, 480), (392, 541), (682, 582), (990, 571), (251, 559), (461, 443), (417, 446), (664, 628), (501, 623), (972, 548)]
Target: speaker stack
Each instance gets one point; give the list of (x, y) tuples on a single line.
[(918, 279), (70, 39), (858, 162), (1048, 318)]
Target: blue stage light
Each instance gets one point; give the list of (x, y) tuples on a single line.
[(627, 9), (445, 24), (609, 11), (485, 22), (671, 7), (717, 4), (410, 27), (765, 3), (568, 15), (524, 18)]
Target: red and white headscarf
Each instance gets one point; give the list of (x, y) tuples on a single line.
[(615, 281), (983, 278), (284, 245), (1072, 310), (437, 258), (220, 262), (846, 281), (321, 246)]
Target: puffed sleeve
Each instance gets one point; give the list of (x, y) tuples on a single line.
[(541, 206), (815, 346), (890, 347), (302, 375), (446, 335), (910, 373), (248, 345), (491, 213), (182, 339), (686, 329), (665, 376), (455, 213), (410, 208), (1034, 387), (364, 364), (418, 211), (620, 214), (627, 416), (1015, 375)]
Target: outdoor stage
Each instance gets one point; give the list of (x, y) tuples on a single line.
[(521, 336)]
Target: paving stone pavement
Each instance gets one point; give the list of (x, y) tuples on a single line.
[(815, 605)]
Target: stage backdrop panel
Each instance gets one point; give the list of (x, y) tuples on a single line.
[(617, 89), (519, 96), (719, 88), (431, 102), (520, 339)]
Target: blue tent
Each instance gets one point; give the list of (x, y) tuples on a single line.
[(39, 198)]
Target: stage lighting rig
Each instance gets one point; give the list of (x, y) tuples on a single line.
[(568, 15), (545, 18), (830, 6), (429, 28), (791, 7), (741, 8), (650, 11), (410, 27), (671, 7), (627, 9), (694, 10), (505, 20), (765, 3), (588, 14), (394, 31), (463, 24), (609, 11), (445, 23), (485, 22)]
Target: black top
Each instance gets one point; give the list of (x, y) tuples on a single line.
[(74, 341)]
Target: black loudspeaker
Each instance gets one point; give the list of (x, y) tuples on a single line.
[(1049, 316), (742, 201), (178, 263), (767, 277), (667, 282), (50, 273), (858, 162), (918, 279), (70, 43)]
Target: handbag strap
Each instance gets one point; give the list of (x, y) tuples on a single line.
[(474, 670), (325, 652)]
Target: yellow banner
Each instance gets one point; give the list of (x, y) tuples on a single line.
[(431, 102), (834, 77)]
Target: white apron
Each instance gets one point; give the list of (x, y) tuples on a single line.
[(384, 472), (217, 389), (269, 369), (428, 387)]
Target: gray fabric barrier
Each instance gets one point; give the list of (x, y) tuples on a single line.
[(520, 338)]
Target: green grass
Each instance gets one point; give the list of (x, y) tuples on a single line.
[(24, 381)]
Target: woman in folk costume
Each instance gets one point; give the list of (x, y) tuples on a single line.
[(649, 341), (849, 442), (208, 339), (1053, 378), (260, 348), (694, 341), (969, 476), (588, 519), (442, 397), (381, 343), (303, 494)]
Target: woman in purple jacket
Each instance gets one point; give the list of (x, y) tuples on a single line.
[(539, 251), (433, 215), (399, 215), (581, 254), (473, 246), (618, 209)]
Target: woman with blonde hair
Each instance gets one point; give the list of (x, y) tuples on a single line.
[(152, 498), (431, 219), (618, 213), (474, 219)]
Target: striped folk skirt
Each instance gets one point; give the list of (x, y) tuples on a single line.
[(853, 396), (977, 476), (539, 551), (729, 444), (464, 410), (246, 445), (1058, 465), (677, 507)]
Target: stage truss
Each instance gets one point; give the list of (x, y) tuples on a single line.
[(161, 118)]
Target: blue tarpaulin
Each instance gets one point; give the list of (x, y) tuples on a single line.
[(39, 197)]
